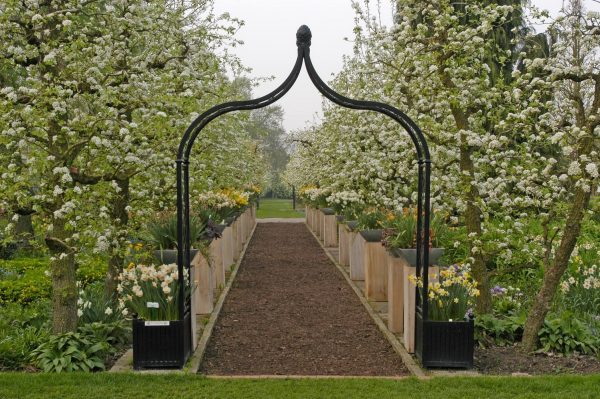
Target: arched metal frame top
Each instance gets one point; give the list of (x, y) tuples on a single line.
[(303, 42)]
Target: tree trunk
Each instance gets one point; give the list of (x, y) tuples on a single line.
[(472, 213), (473, 224), (24, 231), (64, 279), (552, 276), (120, 219)]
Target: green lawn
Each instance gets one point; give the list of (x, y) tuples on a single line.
[(278, 208), (105, 385)]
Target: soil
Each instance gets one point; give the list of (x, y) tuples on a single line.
[(509, 360), (290, 312)]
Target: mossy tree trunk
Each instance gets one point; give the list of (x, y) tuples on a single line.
[(120, 218), (553, 275), (64, 279)]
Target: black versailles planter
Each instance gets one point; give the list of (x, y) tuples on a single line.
[(168, 256), (411, 255), (447, 344), (328, 211), (372, 235), (161, 346)]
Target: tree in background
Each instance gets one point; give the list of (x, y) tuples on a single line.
[(266, 125), (445, 64)]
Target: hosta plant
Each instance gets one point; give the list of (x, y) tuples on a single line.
[(567, 334), (70, 352)]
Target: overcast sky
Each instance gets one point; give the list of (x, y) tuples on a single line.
[(269, 37)]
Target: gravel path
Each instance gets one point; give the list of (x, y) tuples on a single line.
[(290, 312)]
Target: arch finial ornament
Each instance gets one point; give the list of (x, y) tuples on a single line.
[(303, 42), (303, 36)]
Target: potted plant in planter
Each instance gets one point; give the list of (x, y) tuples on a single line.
[(222, 206), (370, 224), (368, 247), (315, 198), (400, 236), (448, 330), (150, 293), (347, 238), (162, 235)]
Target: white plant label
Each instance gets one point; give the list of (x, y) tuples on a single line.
[(152, 305), (156, 323)]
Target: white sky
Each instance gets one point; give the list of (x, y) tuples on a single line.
[(269, 37)]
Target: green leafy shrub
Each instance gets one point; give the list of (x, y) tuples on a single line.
[(22, 265), (24, 280), (71, 351), (27, 280), (91, 270), (491, 330), (16, 346), (22, 329), (567, 334), (88, 349)]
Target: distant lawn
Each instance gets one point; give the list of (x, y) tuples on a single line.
[(115, 386), (278, 208)]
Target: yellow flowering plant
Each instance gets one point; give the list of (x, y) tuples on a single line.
[(221, 204), (452, 297)]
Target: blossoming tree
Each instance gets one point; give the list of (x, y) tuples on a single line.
[(95, 97)]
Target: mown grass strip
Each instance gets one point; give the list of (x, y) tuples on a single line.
[(277, 208), (129, 385)]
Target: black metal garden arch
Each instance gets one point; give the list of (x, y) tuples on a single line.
[(303, 42)]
